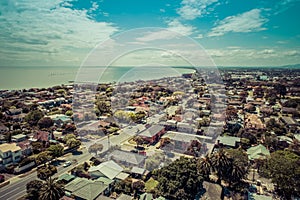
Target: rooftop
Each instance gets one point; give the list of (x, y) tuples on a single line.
[(152, 130), (257, 152), (9, 147)]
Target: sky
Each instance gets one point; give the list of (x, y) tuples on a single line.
[(232, 32)]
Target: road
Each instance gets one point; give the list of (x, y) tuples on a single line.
[(17, 188)]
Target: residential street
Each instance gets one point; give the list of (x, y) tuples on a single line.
[(17, 187)]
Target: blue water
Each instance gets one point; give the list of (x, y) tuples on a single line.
[(43, 77)]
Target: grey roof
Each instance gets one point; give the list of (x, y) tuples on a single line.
[(185, 137), (151, 131), (289, 121), (127, 157)]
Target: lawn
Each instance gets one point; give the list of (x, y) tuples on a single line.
[(150, 184)]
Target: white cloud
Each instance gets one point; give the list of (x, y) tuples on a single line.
[(191, 9), (250, 21), (199, 36), (94, 7), (267, 51), (254, 57), (37, 31), (177, 26), (292, 53), (174, 27)]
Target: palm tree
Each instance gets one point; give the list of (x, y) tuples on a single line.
[(237, 173), (220, 164), (204, 166), (51, 190)]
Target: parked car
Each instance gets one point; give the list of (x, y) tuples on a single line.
[(67, 164), (2, 178)]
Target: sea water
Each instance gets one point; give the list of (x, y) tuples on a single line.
[(14, 78)]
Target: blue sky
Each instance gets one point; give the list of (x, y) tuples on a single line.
[(233, 32)]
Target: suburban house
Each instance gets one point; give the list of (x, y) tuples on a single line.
[(108, 169), (9, 153), (18, 138), (153, 133), (60, 119), (42, 136), (228, 141), (85, 189), (128, 159), (257, 152), (179, 141)]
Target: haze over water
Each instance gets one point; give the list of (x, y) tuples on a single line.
[(42, 77)]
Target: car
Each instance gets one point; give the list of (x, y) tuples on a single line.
[(134, 151), (2, 178), (67, 164)]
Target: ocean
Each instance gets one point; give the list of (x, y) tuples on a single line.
[(16, 78)]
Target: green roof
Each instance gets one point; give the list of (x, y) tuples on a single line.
[(110, 169), (91, 190), (104, 180), (228, 140), (257, 152), (66, 177), (76, 184)]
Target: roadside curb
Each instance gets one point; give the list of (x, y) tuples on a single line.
[(4, 183)]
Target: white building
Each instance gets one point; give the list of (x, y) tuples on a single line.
[(9, 153)]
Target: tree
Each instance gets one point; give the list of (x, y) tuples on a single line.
[(281, 89), (37, 147), (220, 164), (51, 190), (56, 150), (180, 175), (138, 140), (69, 113), (33, 117), (43, 157), (283, 167), (45, 122), (138, 187), (295, 146), (204, 166), (46, 171), (72, 143), (94, 148), (32, 189), (68, 137), (70, 128)]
